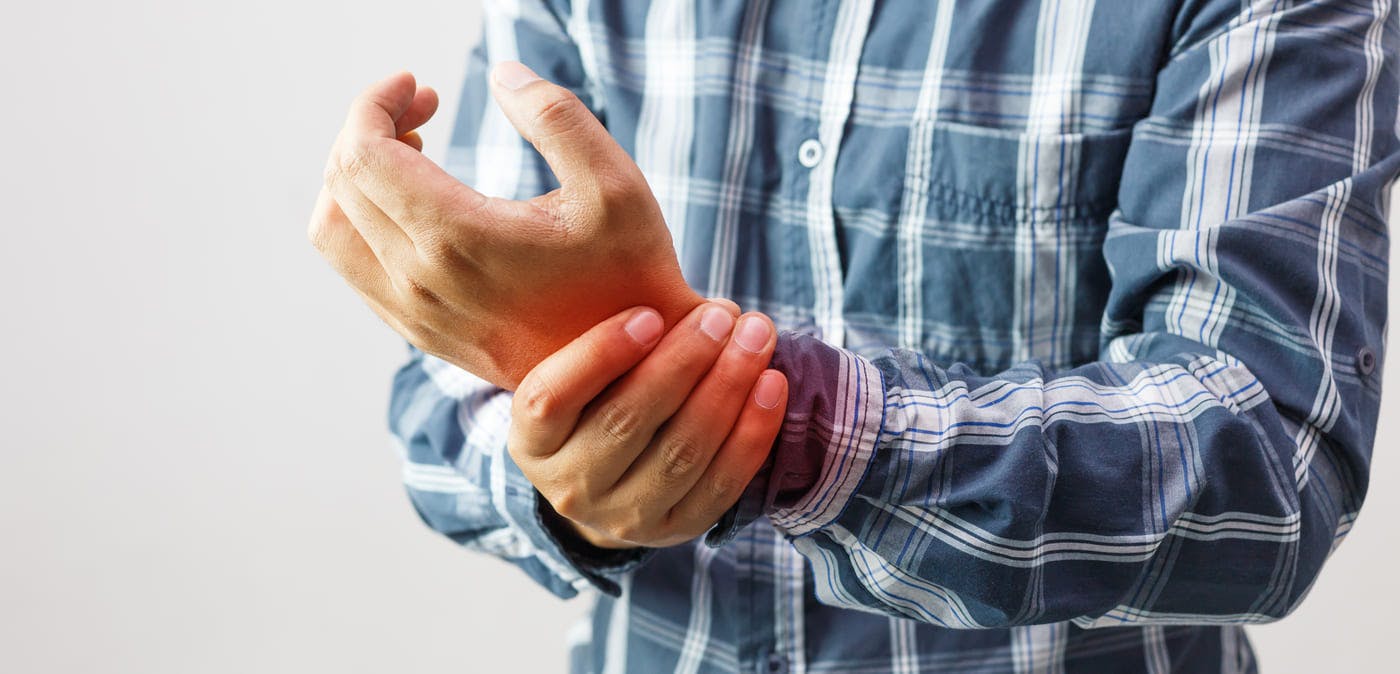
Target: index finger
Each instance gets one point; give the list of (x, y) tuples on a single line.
[(390, 108), (376, 111), (393, 175), (548, 402)]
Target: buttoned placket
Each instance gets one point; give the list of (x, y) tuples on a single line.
[(819, 155)]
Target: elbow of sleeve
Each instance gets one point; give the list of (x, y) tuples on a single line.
[(1272, 502)]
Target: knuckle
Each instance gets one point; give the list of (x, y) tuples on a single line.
[(666, 533), (559, 113), (724, 489), (630, 527), (619, 421), (376, 99), (438, 251), (353, 159), (679, 456), (535, 399), (619, 532), (568, 502)]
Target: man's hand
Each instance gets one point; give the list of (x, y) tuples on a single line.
[(493, 285), (640, 443)]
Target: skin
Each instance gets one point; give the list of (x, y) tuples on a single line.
[(495, 285), (640, 462), (640, 411)]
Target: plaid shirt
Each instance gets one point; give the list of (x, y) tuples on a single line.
[(1083, 307)]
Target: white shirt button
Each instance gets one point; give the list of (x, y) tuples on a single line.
[(810, 152)]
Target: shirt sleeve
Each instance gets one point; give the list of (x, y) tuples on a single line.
[(452, 426), (1204, 468)]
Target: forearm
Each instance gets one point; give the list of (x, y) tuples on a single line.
[(1116, 492)]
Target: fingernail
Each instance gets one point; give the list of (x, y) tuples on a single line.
[(513, 75), (644, 328), (768, 390), (716, 322), (752, 334)]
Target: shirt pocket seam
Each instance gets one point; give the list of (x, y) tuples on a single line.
[(959, 181)]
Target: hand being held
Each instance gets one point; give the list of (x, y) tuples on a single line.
[(493, 285), (640, 439)]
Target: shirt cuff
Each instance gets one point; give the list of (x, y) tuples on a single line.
[(835, 411), (599, 566)]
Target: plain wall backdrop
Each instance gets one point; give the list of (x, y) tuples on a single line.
[(196, 474)]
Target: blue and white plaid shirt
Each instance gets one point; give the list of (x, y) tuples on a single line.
[(1084, 306)]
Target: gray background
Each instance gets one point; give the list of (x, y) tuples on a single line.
[(195, 473)]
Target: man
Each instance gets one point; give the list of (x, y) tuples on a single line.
[(1077, 314)]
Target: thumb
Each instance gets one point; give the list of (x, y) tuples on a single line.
[(560, 126)]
